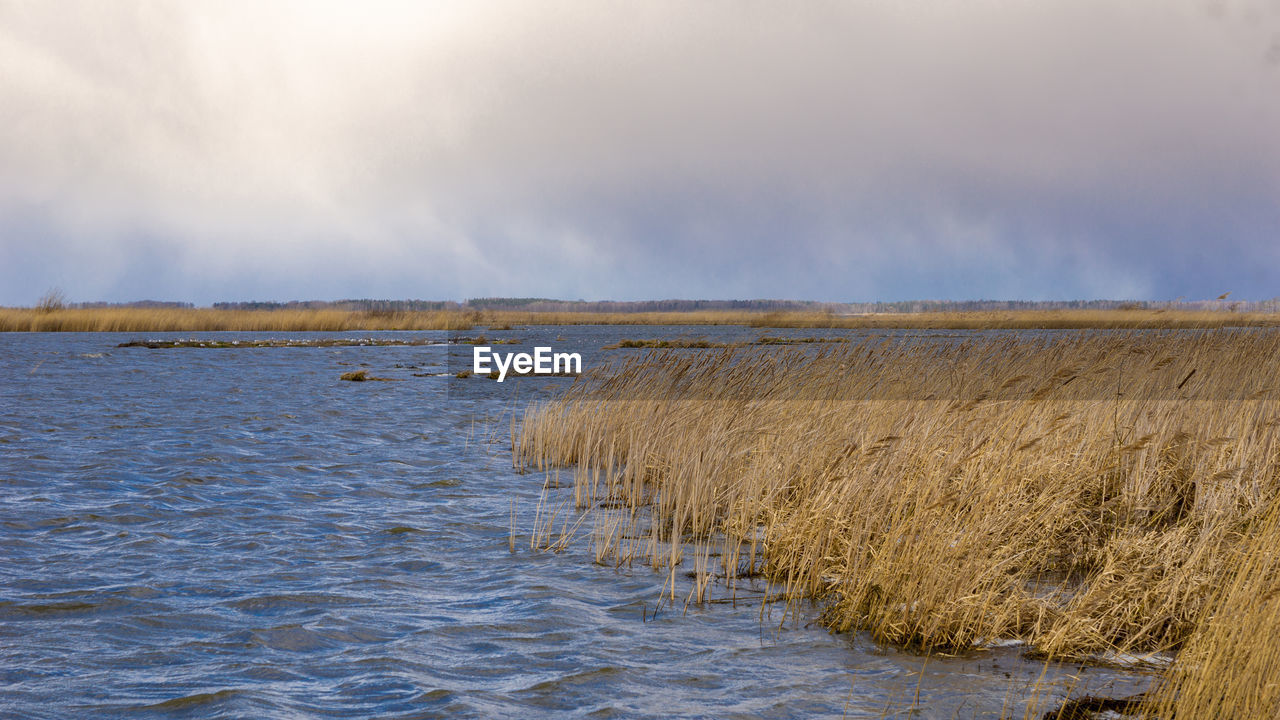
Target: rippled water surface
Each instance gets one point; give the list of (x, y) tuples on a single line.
[(238, 533)]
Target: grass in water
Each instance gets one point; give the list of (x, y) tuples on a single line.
[(1095, 495), (682, 344), (770, 340), (363, 376), (273, 343)]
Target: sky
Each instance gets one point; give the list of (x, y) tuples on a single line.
[(837, 151)]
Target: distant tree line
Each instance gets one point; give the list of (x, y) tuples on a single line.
[(347, 305), (134, 304), (534, 304), (916, 306), (530, 304), (614, 306)]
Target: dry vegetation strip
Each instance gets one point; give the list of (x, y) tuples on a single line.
[(700, 343), (1088, 494), (198, 319), (678, 343)]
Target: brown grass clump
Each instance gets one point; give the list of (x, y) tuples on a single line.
[(363, 376), (1086, 494), (55, 318)]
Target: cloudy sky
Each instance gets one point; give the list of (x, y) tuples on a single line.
[(853, 150)]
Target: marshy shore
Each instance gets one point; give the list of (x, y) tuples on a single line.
[(117, 319), (1098, 497)]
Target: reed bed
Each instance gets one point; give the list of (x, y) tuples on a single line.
[(208, 319), (1230, 667), (1087, 494)]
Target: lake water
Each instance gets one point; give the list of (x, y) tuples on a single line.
[(237, 533)]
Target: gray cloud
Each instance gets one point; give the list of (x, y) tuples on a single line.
[(841, 151)]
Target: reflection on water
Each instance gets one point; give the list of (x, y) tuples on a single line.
[(238, 533)]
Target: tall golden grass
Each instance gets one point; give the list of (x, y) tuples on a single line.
[(1087, 494), (196, 319), (1230, 667)]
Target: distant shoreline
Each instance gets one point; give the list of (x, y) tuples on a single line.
[(130, 319)]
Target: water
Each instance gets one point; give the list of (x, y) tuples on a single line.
[(237, 533)]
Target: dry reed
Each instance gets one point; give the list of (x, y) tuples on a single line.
[(1086, 494), (1230, 667)]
